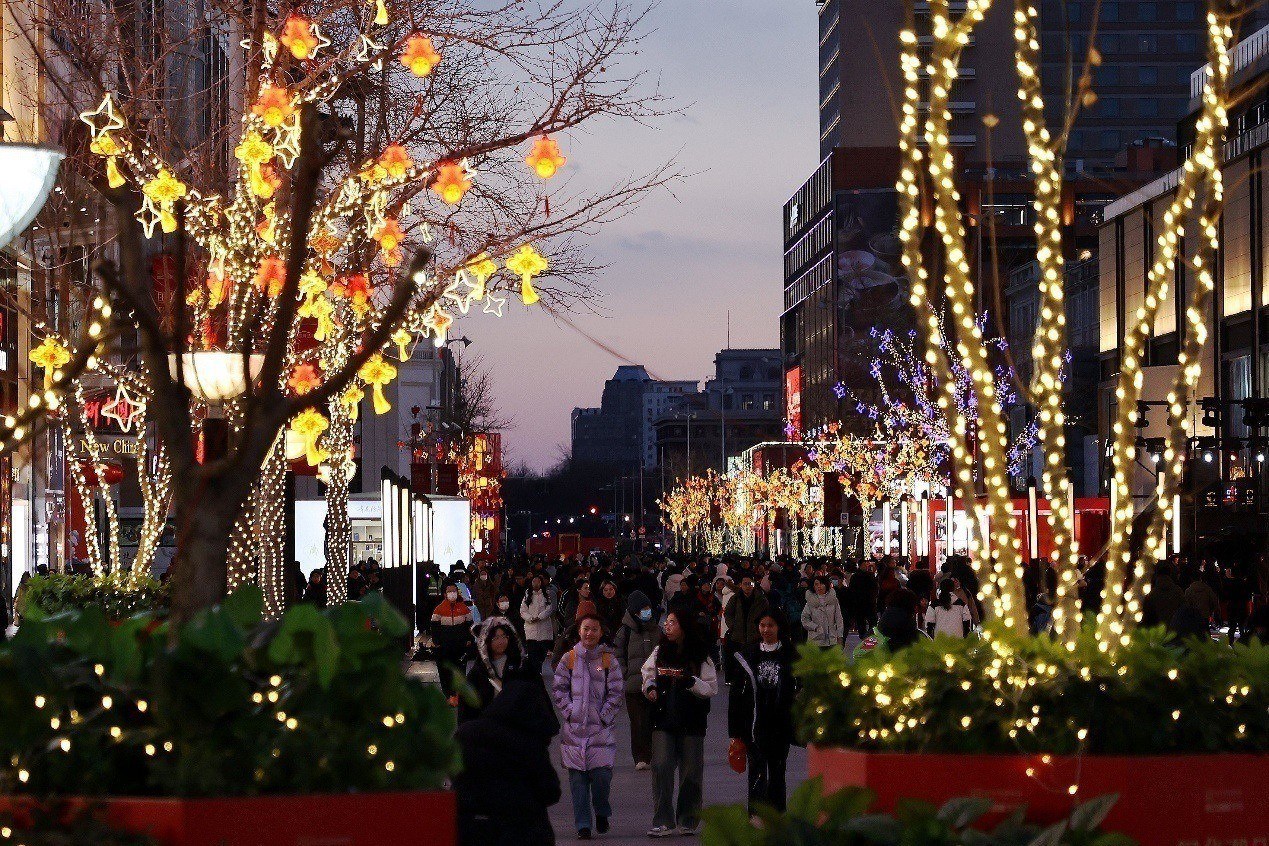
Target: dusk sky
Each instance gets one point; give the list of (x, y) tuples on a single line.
[(744, 73)]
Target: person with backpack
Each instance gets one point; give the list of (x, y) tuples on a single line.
[(588, 690), (679, 679), (760, 710)]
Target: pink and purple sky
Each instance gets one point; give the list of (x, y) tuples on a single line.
[(744, 74)]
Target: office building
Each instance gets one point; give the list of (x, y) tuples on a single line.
[(1226, 471)]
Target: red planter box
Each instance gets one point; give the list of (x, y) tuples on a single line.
[(346, 819), (1164, 800)]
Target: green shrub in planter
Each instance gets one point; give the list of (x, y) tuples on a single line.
[(226, 706), (1014, 693), (841, 819), (55, 824), (119, 595)]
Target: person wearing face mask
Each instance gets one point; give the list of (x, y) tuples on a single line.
[(498, 654), (588, 691), (484, 593), (451, 632), (639, 634)]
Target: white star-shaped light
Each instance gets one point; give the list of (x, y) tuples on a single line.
[(494, 305), (368, 47), (104, 118), (148, 216), (124, 409)]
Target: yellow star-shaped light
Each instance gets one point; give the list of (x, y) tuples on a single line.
[(104, 118), (494, 305), (286, 144), (149, 216)]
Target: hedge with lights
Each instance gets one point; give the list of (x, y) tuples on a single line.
[(843, 819), (118, 595), (226, 705), (1015, 693)]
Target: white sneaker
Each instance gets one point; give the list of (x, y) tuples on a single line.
[(660, 831), (684, 831), (643, 765)]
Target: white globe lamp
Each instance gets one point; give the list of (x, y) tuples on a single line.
[(29, 172), (216, 376)]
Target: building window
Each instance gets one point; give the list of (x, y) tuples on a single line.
[(1147, 43), (1108, 74), (1147, 12), (1148, 75), (1148, 107), (746, 402), (1186, 11), (1108, 107), (1110, 11), (1109, 139), (1073, 12), (1186, 42)]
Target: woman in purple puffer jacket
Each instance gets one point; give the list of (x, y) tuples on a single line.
[(588, 692)]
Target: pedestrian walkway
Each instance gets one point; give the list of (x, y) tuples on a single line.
[(632, 790)]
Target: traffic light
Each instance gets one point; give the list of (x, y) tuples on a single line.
[(1211, 412), (1255, 412)]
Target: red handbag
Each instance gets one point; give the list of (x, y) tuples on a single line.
[(737, 755)]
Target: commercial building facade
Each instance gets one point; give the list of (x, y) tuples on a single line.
[(1225, 490)]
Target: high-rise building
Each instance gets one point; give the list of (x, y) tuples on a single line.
[(619, 433), (861, 87), (1147, 51)]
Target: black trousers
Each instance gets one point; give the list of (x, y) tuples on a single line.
[(768, 761)]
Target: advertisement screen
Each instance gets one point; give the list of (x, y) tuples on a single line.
[(872, 287), (450, 532)]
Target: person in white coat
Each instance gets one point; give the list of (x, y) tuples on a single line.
[(537, 611), (822, 615)]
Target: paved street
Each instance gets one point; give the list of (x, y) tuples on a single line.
[(632, 791)]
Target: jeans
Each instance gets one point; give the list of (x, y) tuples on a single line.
[(640, 711), (767, 764), (686, 754), (590, 788)]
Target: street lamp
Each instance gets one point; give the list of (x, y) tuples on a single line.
[(29, 172)]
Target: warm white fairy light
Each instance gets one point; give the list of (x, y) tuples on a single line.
[(1126, 574)]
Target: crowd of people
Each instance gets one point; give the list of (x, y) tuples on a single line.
[(660, 637)]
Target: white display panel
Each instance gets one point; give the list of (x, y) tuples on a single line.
[(450, 532), (310, 537)]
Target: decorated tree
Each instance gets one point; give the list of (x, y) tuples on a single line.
[(365, 135), (907, 392), (931, 210)]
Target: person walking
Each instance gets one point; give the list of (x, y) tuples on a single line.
[(451, 633), (508, 782), (949, 614), (760, 711), (743, 611), (679, 679), (539, 625), (498, 653), (822, 615), (588, 692), (639, 634)]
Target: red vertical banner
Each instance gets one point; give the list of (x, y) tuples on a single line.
[(793, 402)]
